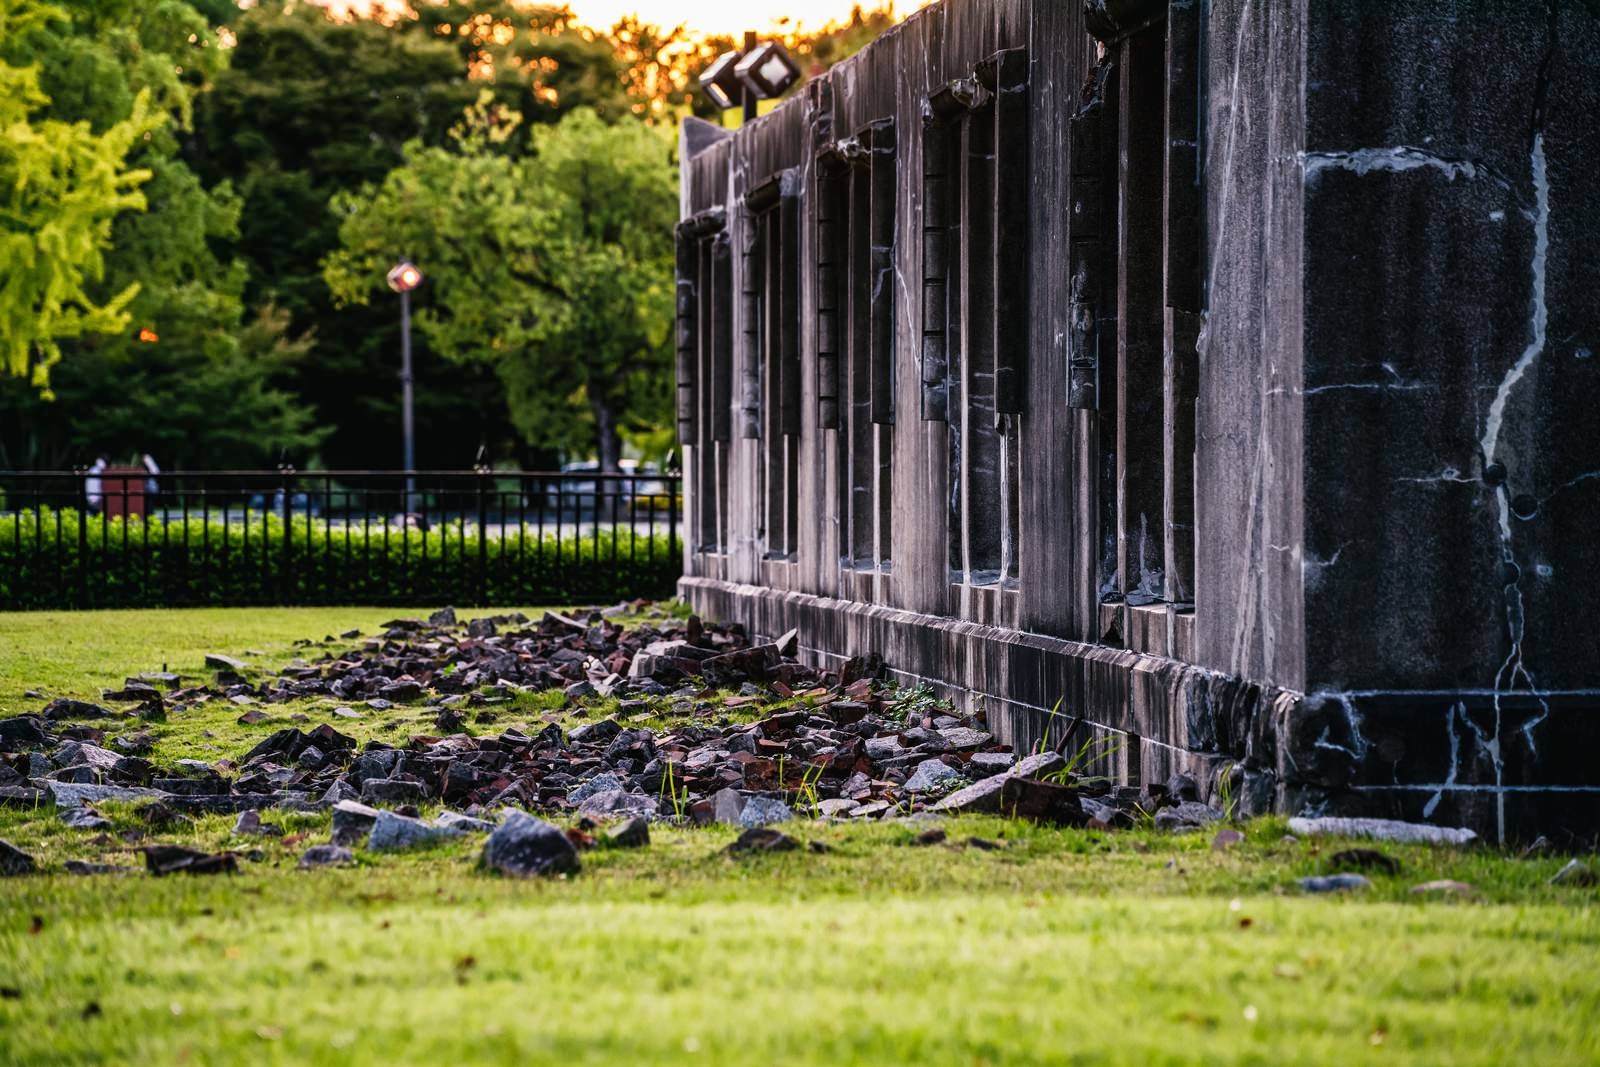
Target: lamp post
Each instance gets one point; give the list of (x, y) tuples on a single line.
[(747, 98), (740, 79), (404, 278)]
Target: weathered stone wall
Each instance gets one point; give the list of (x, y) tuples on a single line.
[(1451, 439), (1342, 439), (1249, 492)]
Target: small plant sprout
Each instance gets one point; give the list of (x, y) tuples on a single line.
[(1230, 803), (1096, 748), (670, 790), (807, 793), (916, 702), (1054, 713)]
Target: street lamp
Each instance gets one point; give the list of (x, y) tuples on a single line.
[(759, 72), (404, 278)]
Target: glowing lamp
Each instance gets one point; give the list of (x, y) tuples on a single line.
[(405, 277)]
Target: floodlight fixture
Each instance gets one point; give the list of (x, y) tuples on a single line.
[(720, 81), (768, 70)]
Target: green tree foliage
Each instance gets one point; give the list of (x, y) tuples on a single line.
[(533, 58), (186, 371), (173, 325), (62, 183), (310, 107), (191, 406), (555, 268)]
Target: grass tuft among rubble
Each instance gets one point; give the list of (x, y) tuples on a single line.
[(1070, 946)]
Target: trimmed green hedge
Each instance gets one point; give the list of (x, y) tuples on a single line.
[(65, 559)]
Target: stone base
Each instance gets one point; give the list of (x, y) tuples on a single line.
[(1144, 717), (1424, 757), (1512, 765)]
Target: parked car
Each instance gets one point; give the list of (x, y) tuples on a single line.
[(582, 490)]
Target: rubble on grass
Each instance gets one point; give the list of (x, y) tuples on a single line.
[(695, 724)]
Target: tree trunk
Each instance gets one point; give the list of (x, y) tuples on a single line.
[(607, 440)]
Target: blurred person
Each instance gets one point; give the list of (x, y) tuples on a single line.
[(151, 487), (93, 487)]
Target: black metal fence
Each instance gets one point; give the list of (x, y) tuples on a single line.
[(124, 537)]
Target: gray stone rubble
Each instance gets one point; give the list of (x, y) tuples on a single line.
[(756, 738)]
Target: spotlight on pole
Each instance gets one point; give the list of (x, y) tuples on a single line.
[(758, 72), (721, 83), (768, 70)]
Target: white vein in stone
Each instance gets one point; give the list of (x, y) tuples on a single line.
[(1568, 484), (1539, 319), (1449, 474), (1455, 759), (1394, 160)]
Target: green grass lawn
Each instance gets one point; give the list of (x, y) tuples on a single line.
[(78, 653), (1063, 946)]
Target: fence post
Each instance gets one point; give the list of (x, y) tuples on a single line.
[(285, 589), (483, 534), (83, 543), (674, 487)]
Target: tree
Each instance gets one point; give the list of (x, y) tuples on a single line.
[(311, 106), (61, 186), (554, 268), (533, 58), (190, 406), (184, 372)]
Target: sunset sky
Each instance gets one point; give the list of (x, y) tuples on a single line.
[(707, 16), (713, 16)]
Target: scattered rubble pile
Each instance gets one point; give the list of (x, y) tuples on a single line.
[(848, 747)]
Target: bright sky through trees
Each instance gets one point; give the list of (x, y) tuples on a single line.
[(705, 16), (714, 16)]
